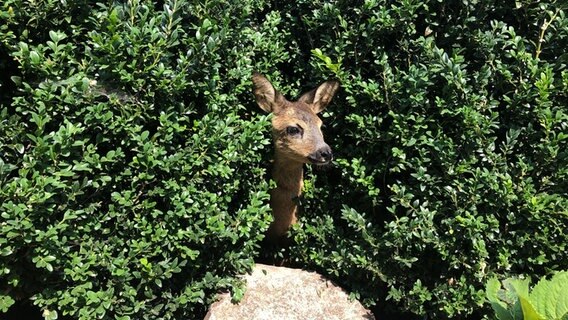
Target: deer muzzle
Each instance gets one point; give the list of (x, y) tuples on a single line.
[(322, 155)]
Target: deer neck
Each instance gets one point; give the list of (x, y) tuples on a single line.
[(283, 199), (288, 175)]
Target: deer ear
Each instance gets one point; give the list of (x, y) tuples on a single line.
[(265, 94), (321, 96)]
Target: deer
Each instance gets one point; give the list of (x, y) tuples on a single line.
[(298, 140)]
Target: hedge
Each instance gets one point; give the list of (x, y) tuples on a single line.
[(132, 173), (134, 163)]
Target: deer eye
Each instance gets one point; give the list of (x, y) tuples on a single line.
[(293, 131)]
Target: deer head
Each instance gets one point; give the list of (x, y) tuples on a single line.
[(296, 128)]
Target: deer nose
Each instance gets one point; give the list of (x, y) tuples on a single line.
[(326, 153), (322, 155)]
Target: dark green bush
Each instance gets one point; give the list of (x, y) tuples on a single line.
[(133, 159), (452, 137), (132, 181)]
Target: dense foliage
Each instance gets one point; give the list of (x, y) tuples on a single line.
[(452, 137), (132, 182), (133, 158)]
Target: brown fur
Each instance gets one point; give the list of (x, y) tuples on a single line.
[(292, 149)]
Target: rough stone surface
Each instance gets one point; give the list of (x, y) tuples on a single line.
[(275, 293)]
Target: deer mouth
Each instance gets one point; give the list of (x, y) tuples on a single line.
[(320, 161)]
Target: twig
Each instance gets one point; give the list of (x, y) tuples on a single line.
[(545, 26)]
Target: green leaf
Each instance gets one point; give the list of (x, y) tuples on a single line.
[(518, 286), (529, 312), (514, 290), (492, 288), (501, 312), (53, 35), (34, 57), (550, 296), (6, 302), (206, 24), (49, 314), (539, 296)]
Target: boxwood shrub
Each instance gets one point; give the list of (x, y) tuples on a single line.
[(134, 161), (132, 177), (452, 142)]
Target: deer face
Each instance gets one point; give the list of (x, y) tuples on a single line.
[(296, 128)]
